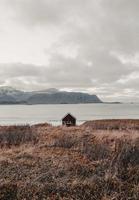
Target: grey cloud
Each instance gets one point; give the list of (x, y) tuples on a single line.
[(58, 75), (19, 69), (43, 12), (97, 28)]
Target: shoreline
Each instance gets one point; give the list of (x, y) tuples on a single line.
[(85, 122)]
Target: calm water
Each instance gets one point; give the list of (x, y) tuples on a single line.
[(31, 114)]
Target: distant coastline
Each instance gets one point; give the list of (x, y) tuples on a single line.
[(26, 103), (12, 96), (9, 95)]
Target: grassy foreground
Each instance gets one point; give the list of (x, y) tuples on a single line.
[(98, 160)]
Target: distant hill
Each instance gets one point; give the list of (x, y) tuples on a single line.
[(63, 98), (9, 95), (7, 99)]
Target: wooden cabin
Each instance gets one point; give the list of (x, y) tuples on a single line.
[(69, 120)]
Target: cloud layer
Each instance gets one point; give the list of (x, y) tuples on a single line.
[(78, 45)]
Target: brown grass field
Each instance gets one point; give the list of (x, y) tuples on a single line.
[(98, 160)]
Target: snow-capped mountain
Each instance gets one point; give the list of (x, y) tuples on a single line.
[(9, 95), (5, 90)]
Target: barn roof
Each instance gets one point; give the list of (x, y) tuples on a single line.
[(67, 115)]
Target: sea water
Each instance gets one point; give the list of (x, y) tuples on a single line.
[(33, 114)]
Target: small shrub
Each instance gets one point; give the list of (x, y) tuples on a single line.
[(16, 135), (64, 141), (125, 161), (8, 191), (81, 171), (96, 150), (127, 153)]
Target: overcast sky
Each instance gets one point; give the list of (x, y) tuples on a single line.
[(75, 45)]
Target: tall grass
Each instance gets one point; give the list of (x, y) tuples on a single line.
[(80, 164), (16, 135)]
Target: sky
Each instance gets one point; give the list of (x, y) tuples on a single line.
[(75, 45)]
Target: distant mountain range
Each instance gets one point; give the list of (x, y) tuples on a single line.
[(9, 95)]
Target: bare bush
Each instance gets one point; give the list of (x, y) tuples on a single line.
[(64, 141), (16, 135), (95, 151), (8, 191), (126, 153)]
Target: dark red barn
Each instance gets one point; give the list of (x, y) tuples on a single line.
[(69, 120)]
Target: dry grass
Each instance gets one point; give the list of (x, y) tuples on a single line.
[(59, 163), (16, 135), (113, 124)]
